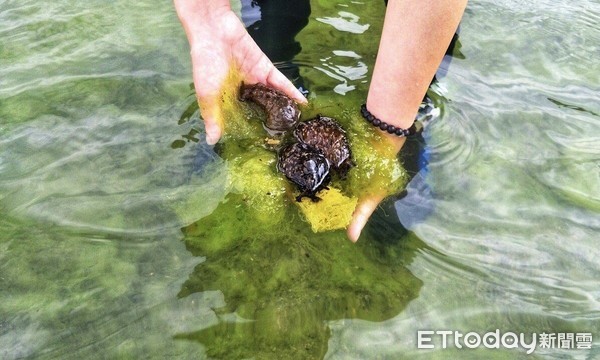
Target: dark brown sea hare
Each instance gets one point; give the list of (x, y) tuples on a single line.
[(306, 167), (321, 145), (282, 112), (327, 136)]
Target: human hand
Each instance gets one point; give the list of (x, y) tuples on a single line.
[(366, 206), (408, 57), (219, 45)]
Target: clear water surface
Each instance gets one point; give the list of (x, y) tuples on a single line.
[(99, 140)]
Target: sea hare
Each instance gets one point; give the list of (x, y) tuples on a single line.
[(282, 111), (322, 143), (306, 167), (327, 136), (265, 192), (321, 138)]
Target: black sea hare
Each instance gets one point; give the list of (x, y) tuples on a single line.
[(306, 167), (282, 111)]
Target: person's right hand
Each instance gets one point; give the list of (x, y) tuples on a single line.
[(219, 43)]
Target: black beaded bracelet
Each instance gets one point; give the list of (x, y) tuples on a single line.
[(415, 129)]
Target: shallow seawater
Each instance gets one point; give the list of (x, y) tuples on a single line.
[(116, 241)]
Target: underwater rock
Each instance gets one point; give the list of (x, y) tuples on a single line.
[(306, 167), (326, 135), (282, 112)]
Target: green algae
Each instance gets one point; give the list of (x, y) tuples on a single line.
[(251, 162), (332, 202), (281, 281)]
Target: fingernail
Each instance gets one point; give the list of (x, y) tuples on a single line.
[(353, 235), (212, 134), (210, 140), (302, 99)]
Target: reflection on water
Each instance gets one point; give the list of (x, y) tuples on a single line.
[(345, 21), (355, 70), (95, 171)]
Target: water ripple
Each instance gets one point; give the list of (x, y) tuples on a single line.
[(346, 22), (91, 172), (345, 74)]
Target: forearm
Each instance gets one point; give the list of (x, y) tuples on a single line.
[(196, 15), (416, 34), (200, 7)]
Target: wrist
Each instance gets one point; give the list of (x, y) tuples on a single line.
[(391, 114), (201, 18), (193, 8), (391, 130)]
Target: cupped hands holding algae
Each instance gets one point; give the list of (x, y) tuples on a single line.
[(281, 281), (268, 197)]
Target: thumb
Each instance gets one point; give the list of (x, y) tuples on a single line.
[(213, 124), (277, 80), (213, 131), (362, 213)]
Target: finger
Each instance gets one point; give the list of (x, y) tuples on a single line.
[(361, 215), (213, 132), (209, 78), (212, 125), (257, 67), (279, 81)]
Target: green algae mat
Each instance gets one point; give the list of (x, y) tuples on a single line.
[(284, 267), (268, 198)]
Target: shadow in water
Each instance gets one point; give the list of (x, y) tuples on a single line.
[(282, 283)]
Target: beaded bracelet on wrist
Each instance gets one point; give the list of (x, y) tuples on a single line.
[(415, 128)]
